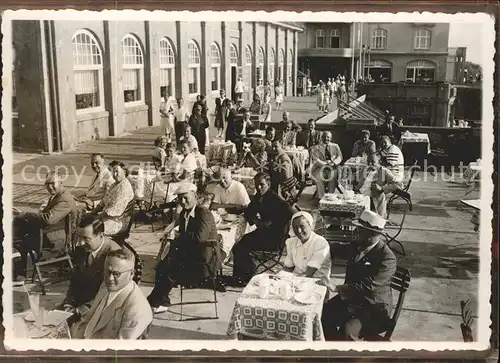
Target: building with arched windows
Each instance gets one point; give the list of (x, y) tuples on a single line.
[(77, 81)]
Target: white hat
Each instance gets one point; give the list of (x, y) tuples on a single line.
[(371, 221), (185, 188)]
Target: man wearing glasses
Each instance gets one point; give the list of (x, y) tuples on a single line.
[(120, 310)]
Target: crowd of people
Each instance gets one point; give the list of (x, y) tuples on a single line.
[(105, 299)]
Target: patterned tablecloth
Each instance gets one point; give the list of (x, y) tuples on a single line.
[(415, 137), (232, 232), (245, 176), (302, 155), (353, 168), (357, 205), (277, 319), (24, 328), (142, 183), (220, 152), (473, 172)]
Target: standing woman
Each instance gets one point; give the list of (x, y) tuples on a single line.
[(220, 112), (279, 94), (267, 90), (167, 119), (181, 118), (320, 96), (199, 124), (266, 109), (231, 115)]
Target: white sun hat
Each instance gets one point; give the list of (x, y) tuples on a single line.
[(371, 221)]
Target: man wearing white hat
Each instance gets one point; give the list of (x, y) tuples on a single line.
[(186, 255), (364, 301)]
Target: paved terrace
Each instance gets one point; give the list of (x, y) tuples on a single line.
[(442, 247)]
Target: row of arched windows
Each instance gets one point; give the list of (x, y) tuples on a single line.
[(417, 71)]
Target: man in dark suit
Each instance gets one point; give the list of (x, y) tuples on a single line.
[(364, 301), (88, 274), (60, 204), (271, 214), (310, 137), (243, 127), (390, 128), (186, 255)]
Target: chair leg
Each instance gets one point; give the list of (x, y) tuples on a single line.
[(40, 281), (215, 297), (181, 302)]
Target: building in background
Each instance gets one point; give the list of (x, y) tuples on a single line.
[(77, 81), (455, 68)]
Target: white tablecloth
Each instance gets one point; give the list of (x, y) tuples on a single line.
[(55, 326), (219, 152), (473, 172), (301, 155), (232, 232), (362, 202), (245, 176), (142, 184), (415, 137)]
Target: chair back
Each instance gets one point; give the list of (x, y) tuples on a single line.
[(127, 220), (400, 283), (413, 169), (138, 265)]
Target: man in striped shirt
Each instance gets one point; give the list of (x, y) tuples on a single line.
[(392, 158)]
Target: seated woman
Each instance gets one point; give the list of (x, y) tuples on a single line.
[(188, 164), (307, 253), (253, 154), (159, 153), (114, 203), (172, 159), (289, 136), (255, 109), (193, 143)]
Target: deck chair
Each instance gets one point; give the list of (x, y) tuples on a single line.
[(406, 197), (400, 283), (37, 257)]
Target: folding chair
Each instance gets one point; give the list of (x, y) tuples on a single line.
[(400, 283), (406, 197), (273, 257), (406, 186)]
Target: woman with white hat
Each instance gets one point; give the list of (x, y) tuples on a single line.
[(364, 302), (308, 254)]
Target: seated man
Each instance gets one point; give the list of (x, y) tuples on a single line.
[(281, 127), (310, 137), (229, 193), (392, 158), (364, 301), (269, 138), (193, 143), (325, 159), (100, 185), (243, 127), (283, 181), (364, 147), (377, 182), (120, 310), (88, 274), (60, 204), (271, 215), (186, 255)]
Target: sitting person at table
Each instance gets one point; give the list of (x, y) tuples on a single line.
[(60, 204), (114, 203), (88, 274), (253, 154), (364, 147), (99, 186), (307, 253), (325, 159), (289, 135), (120, 310), (283, 181), (269, 138), (229, 193), (364, 302), (172, 159), (159, 153), (188, 164), (376, 182), (193, 143), (310, 137), (199, 124), (271, 215), (243, 127), (186, 254), (392, 158)]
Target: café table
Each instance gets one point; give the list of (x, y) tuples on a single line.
[(300, 153), (55, 325), (245, 176), (476, 206), (353, 168), (232, 230), (275, 318), (415, 138), (336, 203), (220, 152), (473, 172), (415, 147)]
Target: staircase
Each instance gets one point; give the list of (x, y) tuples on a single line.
[(358, 109)]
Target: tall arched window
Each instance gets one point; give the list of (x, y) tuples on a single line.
[(233, 55), (215, 65), (422, 38), (320, 38), (133, 69), (260, 67), (420, 71), (270, 66), (248, 64), (335, 38), (193, 67), (290, 66), (379, 70), (281, 64), (379, 39), (87, 71), (167, 68)]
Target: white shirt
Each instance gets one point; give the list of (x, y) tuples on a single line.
[(94, 253), (395, 162), (189, 163), (314, 253), (234, 194), (193, 143), (240, 87), (181, 114)]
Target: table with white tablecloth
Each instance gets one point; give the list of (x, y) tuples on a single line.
[(232, 231), (245, 176), (143, 183), (336, 203), (301, 154), (353, 169), (220, 152), (415, 138), (275, 318)]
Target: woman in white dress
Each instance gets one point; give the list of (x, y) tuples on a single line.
[(266, 109), (320, 96), (115, 201), (279, 95), (167, 117)]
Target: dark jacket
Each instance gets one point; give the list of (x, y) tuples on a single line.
[(238, 127), (303, 138), (198, 125), (231, 117), (369, 279), (58, 207), (390, 129)]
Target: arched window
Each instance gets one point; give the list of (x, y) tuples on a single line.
[(248, 56), (87, 71), (335, 38), (420, 71), (378, 71), (215, 65), (270, 66), (290, 64), (193, 67), (167, 68), (379, 39), (422, 38), (260, 67), (320, 38), (133, 69), (281, 64), (233, 55)]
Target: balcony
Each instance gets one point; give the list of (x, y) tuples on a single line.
[(326, 52)]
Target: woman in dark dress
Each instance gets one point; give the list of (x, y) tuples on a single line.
[(231, 116), (199, 124), (220, 112)]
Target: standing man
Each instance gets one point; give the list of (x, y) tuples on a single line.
[(199, 123), (390, 128), (310, 137), (325, 159), (181, 118), (364, 301), (239, 89)]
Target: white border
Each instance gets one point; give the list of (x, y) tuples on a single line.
[(484, 307)]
